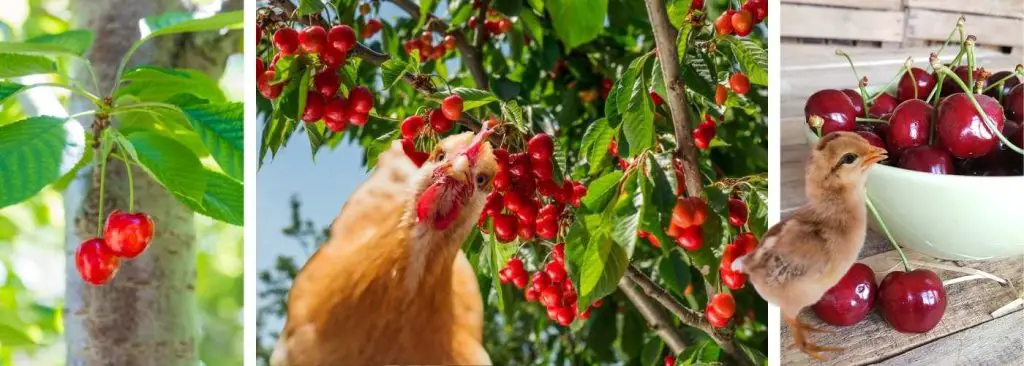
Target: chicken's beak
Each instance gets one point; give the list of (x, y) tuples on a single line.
[(476, 146), (876, 155), (462, 164)]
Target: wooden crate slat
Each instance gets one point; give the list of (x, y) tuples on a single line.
[(862, 4), (835, 23), (999, 8), (936, 25)]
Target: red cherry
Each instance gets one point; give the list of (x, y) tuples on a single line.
[(835, 109), (504, 25), (723, 304), (723, 25), (360, 99), (850, 300), (671, 360), (928, 159), (550, 297), (739, 83), (858, 101), (417, 157), (732, 280), (336, 110), (96, 263), (312, 39), (326, 83), (742, 22), (1004, 89), (950, 87), (540, 147), (912, 302), (515, 262), (472, 22), (127, 234), (884, 104), (873, 139), (1014, 104), (332, 57), (556, 271), (373, 25), (716, 320), (286, 40), (925, 82), (519, 281), (909, 125), (342, 38), (531, 294), (721, 94), (542, 170), (691, 239), (260, 68), (737, 212), (439, 122), (505, 228), (558, 253), (565, 316), (541, 281), (502, 179), (689, 211), (746, 242), (452, 107), (519, 165), (704, 133), (961, 130), (411, 126), (314, 107), (449, 42), (268, 90), (656, 98)]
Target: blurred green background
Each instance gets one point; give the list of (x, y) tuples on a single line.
[(32, 240)]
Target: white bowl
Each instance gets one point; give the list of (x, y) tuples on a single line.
[(948, 216)]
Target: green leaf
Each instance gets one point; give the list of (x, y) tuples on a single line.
[(307, 7), (472, 98), (158, 84), (752, 58), (596, 140), (171, 163), (677, 10), (13, 337), (14, 65), (511, 112), (303, 93), (577, 21), (41, 49), (652, 352), (223, 199), (315, 132), (637, 108), (35, 152), (698, 75), (157, 22), (175, 23), (601, 190), (537, 5), (220, 126), (426, 8), (532, 24), (286, 68), (76, 42), (379, 145), (392, 71), (7, 89), (674, 272), (627, 212), (595, 263)]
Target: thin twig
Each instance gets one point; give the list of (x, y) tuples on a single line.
[(655, 316), (664, 38)]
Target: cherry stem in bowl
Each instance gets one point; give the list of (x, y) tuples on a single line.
[(871, 120), (977, 107), (890, 83), (958, 27), (1000, 82), (860, 82), (888, 235)]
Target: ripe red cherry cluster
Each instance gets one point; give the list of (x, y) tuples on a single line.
[(705, 132), (521, 185), (428, 50), (441, 121), (742, 22), (743, 244), (550, 286), (720, 310), (911, 302), (371, 27), (125, 235), (495, 24), (322, 100), (687, 217), (948, 137)]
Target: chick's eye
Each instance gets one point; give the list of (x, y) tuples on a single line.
[(481, 180), (848, 158), (440, 156)]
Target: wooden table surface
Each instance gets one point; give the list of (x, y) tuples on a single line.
[(967, 334)]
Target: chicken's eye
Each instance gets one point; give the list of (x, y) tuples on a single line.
[(481, 180), (440, 156), (848, 158)]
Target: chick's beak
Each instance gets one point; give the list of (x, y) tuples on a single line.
[(876, 155)]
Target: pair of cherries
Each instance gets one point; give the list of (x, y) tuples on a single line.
[(912, 302), (125, 235)]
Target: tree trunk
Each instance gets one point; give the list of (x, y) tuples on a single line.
[(147, 314)]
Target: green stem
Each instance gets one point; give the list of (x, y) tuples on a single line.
[(871, 120), (999, 83), (131, 184), (970, 65), (860, 85), (885, 229), (103, 176), (81, 114), (889, 84), (959, 26), (73, 89), (981, 112)]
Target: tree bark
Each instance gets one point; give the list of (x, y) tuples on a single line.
[(147, 314)]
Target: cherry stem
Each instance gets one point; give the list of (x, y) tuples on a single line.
[(981, 112), (958, 27), (871, 120), (999, 82), (969, 46), (103, 175), (937, 90), (131, 184), (860, 85), (888, 235), (889, 84), (913, 80)]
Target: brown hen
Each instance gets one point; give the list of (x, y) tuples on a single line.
[(807, 253), (392, 286)]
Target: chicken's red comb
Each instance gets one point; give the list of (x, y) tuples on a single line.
[(473, 151)]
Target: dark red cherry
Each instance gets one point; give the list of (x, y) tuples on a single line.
[(850, 300), (905, 88), (1004, 89), (858, 101), (884, 104), (909, 125), (912, 302), (950, 87), (834, 107), (961, 130), (872, 138), (1013, 103), (928, 159)]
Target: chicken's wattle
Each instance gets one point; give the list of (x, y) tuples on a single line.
[(429, 200)]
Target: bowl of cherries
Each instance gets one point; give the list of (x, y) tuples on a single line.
[(953, 185)]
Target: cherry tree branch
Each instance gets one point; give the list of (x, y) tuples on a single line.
[(656, 317), (664, 37), (471, 56), (689, 317)]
